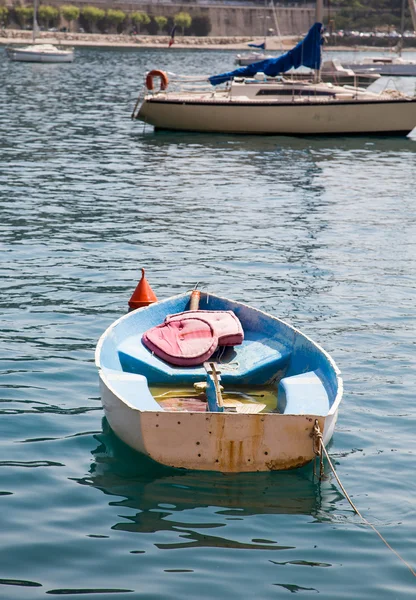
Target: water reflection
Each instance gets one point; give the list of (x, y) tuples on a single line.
[(320, 146), (202, 507)]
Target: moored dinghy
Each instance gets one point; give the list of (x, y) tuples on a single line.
[(224, 387)]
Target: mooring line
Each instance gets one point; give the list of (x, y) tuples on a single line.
[(318, 446)]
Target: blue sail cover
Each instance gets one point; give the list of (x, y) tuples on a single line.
[(262, 46), (306, 53)]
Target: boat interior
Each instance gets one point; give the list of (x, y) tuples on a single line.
[(275, 369)]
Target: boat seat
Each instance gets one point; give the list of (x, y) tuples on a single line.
[(190, 338), (303, 394), (132, 388), (257, 361)]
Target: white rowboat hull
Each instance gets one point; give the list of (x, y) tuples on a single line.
[(229, 443)]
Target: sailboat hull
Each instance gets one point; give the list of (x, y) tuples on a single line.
[(247, 59), (402, 69), (43, 56), (304, 116)]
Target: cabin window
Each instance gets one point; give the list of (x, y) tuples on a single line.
[(292, 92)]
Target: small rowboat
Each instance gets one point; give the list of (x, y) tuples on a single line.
[(247, 407)]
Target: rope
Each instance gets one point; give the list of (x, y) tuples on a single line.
[(229, 366), (139, 99), (318, 447)]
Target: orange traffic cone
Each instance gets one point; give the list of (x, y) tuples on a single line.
[(143, 295)]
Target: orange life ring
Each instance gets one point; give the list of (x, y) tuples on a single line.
[(163, 79)]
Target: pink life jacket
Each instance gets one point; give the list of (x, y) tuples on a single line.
[(190, 338)]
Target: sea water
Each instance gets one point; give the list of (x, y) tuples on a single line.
[(318, 231)]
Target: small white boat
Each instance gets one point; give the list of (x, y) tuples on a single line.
[(40, 53), (258, 100), (251, 57), (277, 386), (394, 66), (259, 53), (332, 71)]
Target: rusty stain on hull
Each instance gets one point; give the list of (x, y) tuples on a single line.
[(228, 443), (236, 455)]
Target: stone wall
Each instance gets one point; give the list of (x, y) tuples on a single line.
[(250, 21), (230, 20)]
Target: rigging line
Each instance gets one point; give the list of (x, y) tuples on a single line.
[(141, 95), (318, 441)]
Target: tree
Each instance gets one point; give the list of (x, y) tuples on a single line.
[(48, 15), (115, 17), (3, 15), (70, 13), (92, 16), (23, 14), (201, 25), (368, 15), (139, 18), (161, 22), (182, 20)]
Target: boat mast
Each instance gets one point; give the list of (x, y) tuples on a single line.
[(35, 27), (412, 6), (319, 18), (319, 11), (276, 24), (400, 43)]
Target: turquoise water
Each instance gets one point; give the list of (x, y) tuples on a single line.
[(321, 232)]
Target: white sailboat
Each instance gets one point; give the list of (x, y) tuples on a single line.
[(248, 58), (258, 99), (394, 66), (43, 53), (385, 66)]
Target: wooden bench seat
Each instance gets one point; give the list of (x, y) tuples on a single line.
[(257, 361)]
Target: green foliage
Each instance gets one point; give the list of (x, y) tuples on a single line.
[(139, 18), (183, 20), (369, 15), (70, 13), (92, 15), (152, 28), (4, 13), (48, 15), (23, 15), (115, 17), (161, 22)]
